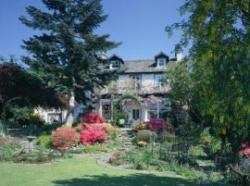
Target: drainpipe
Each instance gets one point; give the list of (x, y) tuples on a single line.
[(158, 110)]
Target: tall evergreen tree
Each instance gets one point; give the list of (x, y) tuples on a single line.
[(67, 53)]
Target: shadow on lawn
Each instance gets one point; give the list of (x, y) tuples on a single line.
[(132, 180)]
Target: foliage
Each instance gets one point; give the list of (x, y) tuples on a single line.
[(8, 151), (113, 134), (97, 148), (92, 117), (140, 160), (64, 138), (145, 135), (219, 66), (165, 136), (156, 124), (141, 143), (211, 144), (67, 53), (45, 141), (108, 128), (118, 116), (117, 158), (16, 83), (90, 135), (40, 155), (141, 126), (245, 150)]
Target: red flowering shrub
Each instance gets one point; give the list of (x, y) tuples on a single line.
[(64, 138), (91, 135), (245, 150), (156, 124), (93, 117), (107, 127)]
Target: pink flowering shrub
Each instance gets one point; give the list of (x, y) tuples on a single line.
[(245, 150), (92, 117), (64, 138), (156, 124), (90, 135), (107, 127)]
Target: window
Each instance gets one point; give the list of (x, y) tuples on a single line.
[(106, 111), (161, 62), (136, 114), (54, 117), (115, 64), (159, 80), (136, 80)]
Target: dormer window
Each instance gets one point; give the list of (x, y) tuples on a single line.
[(115, 62), (115, 65), (161, 62)]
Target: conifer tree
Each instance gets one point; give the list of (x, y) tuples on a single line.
[(66, 55)]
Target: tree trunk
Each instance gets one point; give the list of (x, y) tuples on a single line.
[(70, 111)]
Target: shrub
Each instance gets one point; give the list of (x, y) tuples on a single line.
[(140, 160), (92, 117), (117, 158), (166, 136), (157, 125), (40, 155), (211, 144), (245, 150), (105, 126), (119, 116), (141, 126), (145, 135), (8, 151), (64, 138), (91, 135), (45, 141), (141, 143)]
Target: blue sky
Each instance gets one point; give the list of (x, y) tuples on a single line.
[(138, 24)]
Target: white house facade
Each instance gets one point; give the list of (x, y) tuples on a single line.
[(145, 80)]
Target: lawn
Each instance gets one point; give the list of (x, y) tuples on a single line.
[(79, 172)]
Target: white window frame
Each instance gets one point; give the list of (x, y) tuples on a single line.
[(114, 64), (137, 81), (158, 80)]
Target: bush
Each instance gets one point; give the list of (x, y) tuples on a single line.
[(118, 116), (8, 151), (91, 135), (117, 158), (64, 138), (105, 126), (93, 117), (40, 155), (166, 136), (141, 126), (140, 160), (145, 135), (45, 141), (212, 145), (157, 125), (245, 150)]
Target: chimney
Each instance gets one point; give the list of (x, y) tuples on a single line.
[(179, 56)]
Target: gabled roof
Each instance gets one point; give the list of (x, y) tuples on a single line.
[(161, 55), (142, 66), (115, 57)]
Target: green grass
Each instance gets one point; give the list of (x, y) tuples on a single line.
[(79, 172)]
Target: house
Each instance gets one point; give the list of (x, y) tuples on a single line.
[(143, 79)]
